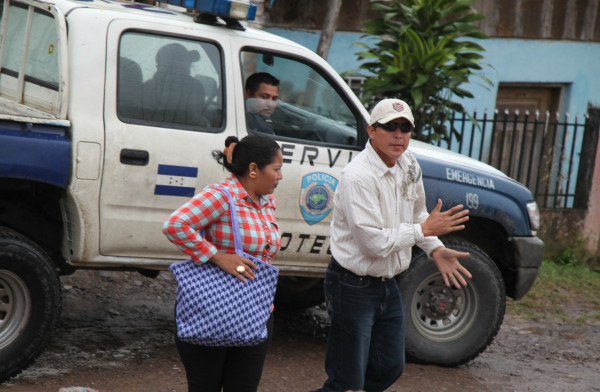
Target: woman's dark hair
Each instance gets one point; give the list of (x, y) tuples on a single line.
[(256, 147)]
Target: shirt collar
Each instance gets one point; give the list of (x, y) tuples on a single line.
[(379, 166), (240, 192)]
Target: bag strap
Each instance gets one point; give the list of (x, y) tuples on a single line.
[(235, 227)]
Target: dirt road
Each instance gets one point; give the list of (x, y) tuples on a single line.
[(116, 335)]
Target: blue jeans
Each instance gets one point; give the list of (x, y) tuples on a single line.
[(365, 346)]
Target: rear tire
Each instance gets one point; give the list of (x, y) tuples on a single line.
[(449, 326), (30, 302)]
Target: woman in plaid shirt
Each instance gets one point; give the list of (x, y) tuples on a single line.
[(255, 164)]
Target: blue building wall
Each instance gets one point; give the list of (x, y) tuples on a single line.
[(576, 65)]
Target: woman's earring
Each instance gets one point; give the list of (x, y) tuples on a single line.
[(252, 174)]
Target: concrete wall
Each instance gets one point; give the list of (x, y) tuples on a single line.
[(591, 223), (562, 229)]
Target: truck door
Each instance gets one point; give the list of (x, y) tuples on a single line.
[(319, 126), (164, 114)]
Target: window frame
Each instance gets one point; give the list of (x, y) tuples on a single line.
[(58, 106), (361, 133), (170, 125)]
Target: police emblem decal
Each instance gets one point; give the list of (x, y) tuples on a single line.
[(316, 196)]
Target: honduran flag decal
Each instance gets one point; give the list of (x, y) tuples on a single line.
[(176, 180)]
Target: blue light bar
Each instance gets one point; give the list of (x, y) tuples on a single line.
[(235, 9)]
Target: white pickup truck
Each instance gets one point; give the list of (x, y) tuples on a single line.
[(108, 113)]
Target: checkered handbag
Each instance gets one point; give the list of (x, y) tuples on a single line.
[(214, 308)]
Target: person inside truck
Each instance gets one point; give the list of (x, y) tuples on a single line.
[(255, 165), (379, 214), (262, 92), (129, 93), (172, 95)]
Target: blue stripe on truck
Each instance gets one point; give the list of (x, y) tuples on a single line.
[(35, 152), (184, 171)]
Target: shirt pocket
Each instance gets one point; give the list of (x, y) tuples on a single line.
[(409, 191), (406, 202)]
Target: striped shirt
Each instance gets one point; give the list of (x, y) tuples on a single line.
[(377, 214), (209, 210)]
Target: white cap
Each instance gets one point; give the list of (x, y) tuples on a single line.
[(390, 109)]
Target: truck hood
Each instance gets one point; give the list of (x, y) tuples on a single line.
[(428, 150)]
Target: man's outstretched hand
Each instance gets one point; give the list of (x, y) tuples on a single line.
[(440, 223), (446, 260)]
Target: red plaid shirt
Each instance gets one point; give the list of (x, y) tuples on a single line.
[(209, 210)]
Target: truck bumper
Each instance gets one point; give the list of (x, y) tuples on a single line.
[(529, 253)]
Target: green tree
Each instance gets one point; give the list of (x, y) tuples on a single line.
[(422, 55)]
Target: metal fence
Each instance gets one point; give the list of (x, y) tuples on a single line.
[(553, 157), (539, 150)]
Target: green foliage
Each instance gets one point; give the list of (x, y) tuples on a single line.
[(567, 257), (422, 55)]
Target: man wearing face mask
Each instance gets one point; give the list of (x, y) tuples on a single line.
[(262, 92)]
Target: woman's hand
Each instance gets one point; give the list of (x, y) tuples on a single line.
[(233, 264)]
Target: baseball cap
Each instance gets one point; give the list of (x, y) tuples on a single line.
[(390, 109)]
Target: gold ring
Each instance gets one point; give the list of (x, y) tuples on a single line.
[(241, 269)]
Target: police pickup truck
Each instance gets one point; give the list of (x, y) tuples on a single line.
[(108, 113)]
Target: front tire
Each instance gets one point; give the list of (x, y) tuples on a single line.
[(449, 326), (30, 302)]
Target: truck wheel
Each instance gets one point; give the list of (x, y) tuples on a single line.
[(449, 326), (298, 292), (30, 302)]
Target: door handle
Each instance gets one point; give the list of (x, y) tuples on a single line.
[(134, 157)]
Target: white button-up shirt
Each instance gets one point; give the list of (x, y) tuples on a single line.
[(377, 213)]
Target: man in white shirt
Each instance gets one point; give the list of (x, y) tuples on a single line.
[(379, 213)]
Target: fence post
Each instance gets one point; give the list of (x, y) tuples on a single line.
[(587, 159), (587, 193)]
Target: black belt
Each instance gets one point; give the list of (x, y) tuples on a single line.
[(335, 266)]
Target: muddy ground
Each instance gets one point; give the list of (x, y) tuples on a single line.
[(116, 334)]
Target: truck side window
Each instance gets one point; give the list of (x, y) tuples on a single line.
[(41, 67), (308, 106), (170, 82)]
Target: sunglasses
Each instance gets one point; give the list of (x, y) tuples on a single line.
[(392, 126)]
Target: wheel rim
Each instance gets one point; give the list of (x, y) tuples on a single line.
[(440, 313), (15, 307)]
